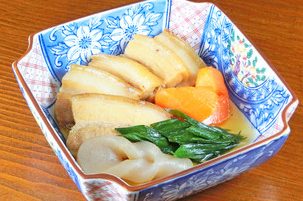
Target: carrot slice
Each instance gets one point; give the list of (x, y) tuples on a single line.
[(211, 77), (207, 102), (221, 113), (197, 102)]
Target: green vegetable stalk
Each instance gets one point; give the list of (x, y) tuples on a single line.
[(184, 138)]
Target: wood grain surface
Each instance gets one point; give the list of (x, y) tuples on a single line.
[(29, 170)]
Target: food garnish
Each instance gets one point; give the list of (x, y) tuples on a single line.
[(208, 101), (184, 137)]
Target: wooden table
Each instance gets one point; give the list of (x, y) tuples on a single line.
[(29, 170)]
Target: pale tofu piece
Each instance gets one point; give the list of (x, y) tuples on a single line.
[(185, 52), (111, 110), (158, 58), (129, 70), (83, 79)]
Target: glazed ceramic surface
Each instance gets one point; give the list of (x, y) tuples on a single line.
[(254, 87)]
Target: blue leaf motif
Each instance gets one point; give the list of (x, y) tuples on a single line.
[(147, 6), (76, 61), (107, 39), (70, 29), (134, 10), (52, 35), (152, 18), (58, 62), (115, 49), (95, 23), (60, 49), (104, 45), (112, 22)]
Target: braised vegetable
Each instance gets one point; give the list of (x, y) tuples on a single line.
[(145, 133), (212, 78), (184, 137), (199, 103), (208, 101), (138, 162)]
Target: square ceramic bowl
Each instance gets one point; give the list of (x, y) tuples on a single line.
[(254, 87)]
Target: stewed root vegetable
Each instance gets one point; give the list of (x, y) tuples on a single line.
[(138, 162)]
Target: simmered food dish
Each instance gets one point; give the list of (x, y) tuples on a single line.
[(146, 114)]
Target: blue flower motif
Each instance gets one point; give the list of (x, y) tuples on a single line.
[(78, 42), (130, 25), (83, 44), (135, 20), (75, 42)]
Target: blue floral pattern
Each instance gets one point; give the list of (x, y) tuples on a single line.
[(140, 19), (78, 44), (74, 43), (83, 44), (262, 101)]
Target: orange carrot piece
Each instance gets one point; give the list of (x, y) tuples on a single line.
[(221, 113), (197, 102), (207, 102), (211, 77)]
